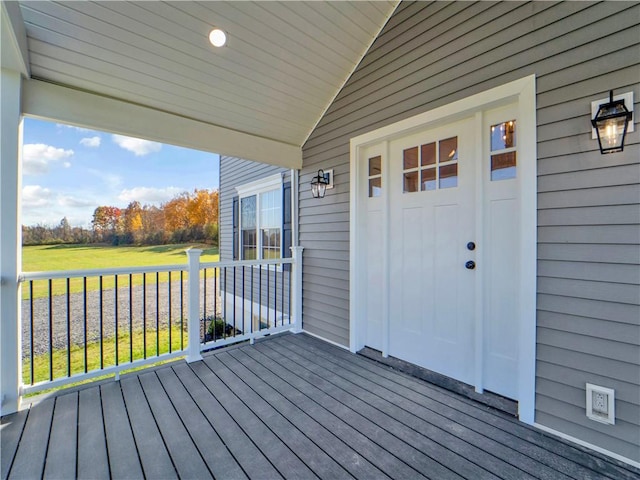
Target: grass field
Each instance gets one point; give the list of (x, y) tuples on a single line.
[(61, 368), (81, 257)]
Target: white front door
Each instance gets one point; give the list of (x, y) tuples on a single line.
[(432, 219), (441, 250)]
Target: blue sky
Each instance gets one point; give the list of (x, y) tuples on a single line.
[(69, 171)]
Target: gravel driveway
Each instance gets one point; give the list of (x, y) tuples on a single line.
[(155, 309)]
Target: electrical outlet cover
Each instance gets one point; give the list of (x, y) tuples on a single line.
[(600, 404)]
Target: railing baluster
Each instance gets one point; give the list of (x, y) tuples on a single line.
[(289, 289), (181, 309), (157, 313), (84, 323), (275, 295), (268, 293), (216, 272), (50, 330), (243, 297), (144, 314), (116, 318), (204, 303), (282, 293), (68, 327), (169, 302), (130, 317), (31, 326), (101, 294), (251, 303), (259, 297)]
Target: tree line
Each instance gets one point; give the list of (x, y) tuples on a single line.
[(188, 217)]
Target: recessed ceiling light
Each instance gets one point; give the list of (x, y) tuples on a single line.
[(217, 37)]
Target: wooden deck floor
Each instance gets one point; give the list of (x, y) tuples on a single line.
[(290, 406)]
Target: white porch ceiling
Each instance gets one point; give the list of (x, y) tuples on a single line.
[(283, 64)]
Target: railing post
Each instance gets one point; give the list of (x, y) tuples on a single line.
[(10, 186), (296, 288), (193, 302)]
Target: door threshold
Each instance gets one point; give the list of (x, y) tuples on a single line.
[(487, 398)]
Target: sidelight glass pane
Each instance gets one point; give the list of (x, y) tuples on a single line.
[(375, 166), (503, 135), (428, 154), (449, 176), (410, 182), (375, 187), (410, 157), (448, 149), (428, 181), (503, 166)]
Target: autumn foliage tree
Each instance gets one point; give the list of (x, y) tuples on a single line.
[(188, 217)]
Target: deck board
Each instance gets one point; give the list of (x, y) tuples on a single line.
[(93, 461), (120, 441), (216, 455), (426, 418), (11, 428), (565, 458), (152, 452), (290, 406), (61, 460), (251, 459), (31, 453)]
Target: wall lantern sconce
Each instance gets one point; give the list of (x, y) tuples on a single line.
[(611, 123), (321, 182)]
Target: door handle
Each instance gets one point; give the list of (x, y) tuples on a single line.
[(470, 265)]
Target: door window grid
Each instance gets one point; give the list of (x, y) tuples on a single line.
[(503, 151), (432, 166), (375, 176)]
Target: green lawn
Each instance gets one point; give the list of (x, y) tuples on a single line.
[(60, 364), (80, 257)]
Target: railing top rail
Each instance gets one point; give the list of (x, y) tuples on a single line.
[(96, 272), (246, 263)]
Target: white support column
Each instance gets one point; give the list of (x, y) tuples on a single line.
[(10, 241), (193, 298), (296, 288)]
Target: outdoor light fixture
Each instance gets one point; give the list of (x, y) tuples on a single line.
[(319, 184), (217, 37), (611, 122)]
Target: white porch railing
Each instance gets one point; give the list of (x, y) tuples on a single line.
[(81, 324)]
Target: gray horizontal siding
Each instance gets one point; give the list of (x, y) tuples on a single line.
[(431, 54)]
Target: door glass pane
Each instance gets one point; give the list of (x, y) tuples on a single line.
[(375, 166), (428, 154), (428, 181), (410, 157), (375, 187), (410, 182), (448, 149), (503, 166), (449, 176), (503, 135)]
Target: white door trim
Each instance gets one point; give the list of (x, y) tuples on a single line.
[(521, 92)]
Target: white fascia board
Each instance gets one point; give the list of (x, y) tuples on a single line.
[(15, 53), (66, 105)]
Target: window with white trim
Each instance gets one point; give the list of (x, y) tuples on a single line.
[(260, 226)]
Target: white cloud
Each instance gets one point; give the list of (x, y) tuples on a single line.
[(36, 157), (92, 142), (136, 145), (146, 195), (35, 196), (73, 202), (77, 129), (66, 164)]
